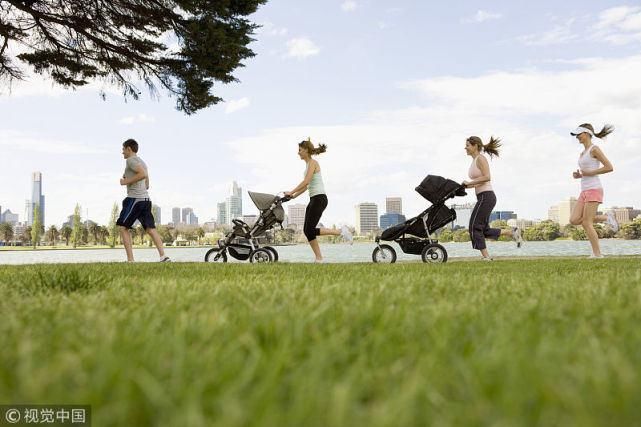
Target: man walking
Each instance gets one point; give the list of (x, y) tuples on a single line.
[(137, 205)]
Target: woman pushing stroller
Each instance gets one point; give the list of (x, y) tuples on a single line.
[(313, 181), (480, 178)]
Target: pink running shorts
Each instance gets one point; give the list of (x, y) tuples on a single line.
[(592, 195)]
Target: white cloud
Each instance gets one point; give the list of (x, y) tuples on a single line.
[(271, 29), (23, 141), (140, 118), (482, 16), (237, 104), (349, 6), (619, 25), (301, 48), (560, 34)]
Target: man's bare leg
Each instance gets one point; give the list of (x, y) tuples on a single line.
[(157, 241), (126, 241)]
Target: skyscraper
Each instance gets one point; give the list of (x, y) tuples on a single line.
[(222, 213), (394, 205), (175, 216), (234, 203), (296, 215), (156, 212), (37, 199), (366, 218), (186, 215)]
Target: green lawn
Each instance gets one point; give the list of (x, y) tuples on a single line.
[(509, 343)]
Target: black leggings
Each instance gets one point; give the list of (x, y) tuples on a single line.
[(480, 220), (315, 208)]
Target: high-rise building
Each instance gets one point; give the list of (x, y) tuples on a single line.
[(623, 215), (366, 218), (10, 217), (296, 215), (37, 199), (221, 209), (463, 215), (156, 212), (390, 219), (234, 202), (564, 209), (502, 215), (393, 205), (553, 213), (175, 216), (185, 215), (192, 219)]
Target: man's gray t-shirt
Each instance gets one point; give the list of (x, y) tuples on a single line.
[(138, 189)]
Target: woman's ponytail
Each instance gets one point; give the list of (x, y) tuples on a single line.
[(309, 146), (492, 147)]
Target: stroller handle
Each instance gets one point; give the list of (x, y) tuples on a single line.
[(284, 198)]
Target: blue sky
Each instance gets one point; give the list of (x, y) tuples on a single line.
[(392, 90)]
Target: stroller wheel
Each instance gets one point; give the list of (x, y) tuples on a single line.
[(215, 255), (274, 253), (384, 254), (434, 254), (260, 255)]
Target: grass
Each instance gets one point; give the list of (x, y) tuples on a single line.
[(510, 343)]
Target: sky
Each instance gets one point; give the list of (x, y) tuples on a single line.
[(392, 88)]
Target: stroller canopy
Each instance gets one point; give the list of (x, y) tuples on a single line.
[(263, 202), (436, 188)]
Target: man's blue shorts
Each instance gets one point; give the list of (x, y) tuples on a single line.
[(136, 209)]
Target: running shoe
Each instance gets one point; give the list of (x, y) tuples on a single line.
[(612, 222), (165, 259), (347, 235), (487, 258), (516, 235), (595, 256)]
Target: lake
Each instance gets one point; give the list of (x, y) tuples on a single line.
[(359, 252)]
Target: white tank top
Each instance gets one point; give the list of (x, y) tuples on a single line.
[(589, 163), (474, 173)]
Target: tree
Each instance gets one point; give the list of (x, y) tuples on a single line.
[(461, 235), (632, 230), (184, 46), (200, 233), (66, 233), (113, 228), (37, 227), (165, 233), (6, 232), (26, 235), (543, 231), (53, 235), (76, 235), (94, 230)]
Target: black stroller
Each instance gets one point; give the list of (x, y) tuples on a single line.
[(413, 236), (242, 241)]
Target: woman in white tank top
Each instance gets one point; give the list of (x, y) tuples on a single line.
[(592, 163)]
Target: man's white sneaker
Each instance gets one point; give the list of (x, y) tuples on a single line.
[(595, 256), (165, 259), (612, 222), (319, 261), (347, 235), (516, 235), (487, 258)]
